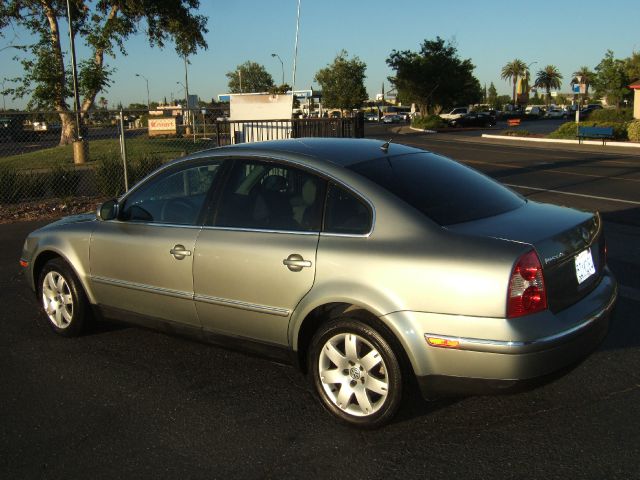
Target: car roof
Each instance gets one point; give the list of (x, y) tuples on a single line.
[(339, 151)]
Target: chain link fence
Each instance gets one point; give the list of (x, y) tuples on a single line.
[(118, 148)]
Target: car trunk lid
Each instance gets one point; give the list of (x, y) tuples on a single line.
[(560, 236)]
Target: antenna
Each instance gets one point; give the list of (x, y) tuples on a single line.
[(385, 146)]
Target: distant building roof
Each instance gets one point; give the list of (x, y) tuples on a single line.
[(635, 85)]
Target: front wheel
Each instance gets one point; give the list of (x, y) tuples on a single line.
[(63, 298), (355, 372)]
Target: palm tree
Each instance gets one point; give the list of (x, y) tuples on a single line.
[(549, 77), (511, 71), (586, 77)]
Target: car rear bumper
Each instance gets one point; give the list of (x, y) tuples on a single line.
[(481, 365)]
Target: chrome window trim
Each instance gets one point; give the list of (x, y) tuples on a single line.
[(156, 224), (143, 287), (262, 230), (253, 307), (517, 348)]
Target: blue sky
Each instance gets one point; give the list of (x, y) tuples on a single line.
[(491, 33)]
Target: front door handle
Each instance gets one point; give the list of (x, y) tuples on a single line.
[(295, 262), (179, 252)]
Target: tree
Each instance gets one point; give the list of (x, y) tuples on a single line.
[(435, 77), (611, 79), (549, 77), (103, 26), (492, 95), (342, 82), (512, 71), (250, 77), (586, 77), (632, 67)]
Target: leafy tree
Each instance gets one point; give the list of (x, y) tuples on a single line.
[(103, 27), (632, 67), (511, 71), (502, 100), (492, 95), (549, 77), (435, 77), (586, 78), (250, 77), (342, 82), (611, 79)]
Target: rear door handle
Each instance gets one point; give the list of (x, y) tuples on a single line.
[(179, 252), (295, 262)]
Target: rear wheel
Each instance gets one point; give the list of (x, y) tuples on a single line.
[(355, 372), (63, 298)]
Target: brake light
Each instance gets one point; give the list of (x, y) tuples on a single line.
[(527, 292)]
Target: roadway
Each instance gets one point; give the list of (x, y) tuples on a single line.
[(126, 402)]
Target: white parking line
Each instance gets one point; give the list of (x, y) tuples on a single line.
[(547, 190)]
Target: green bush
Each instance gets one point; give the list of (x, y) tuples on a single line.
[(569, 130), (633, 131), (110, 176), (144, 166), (430, 122), (64, 181), (31, 185), (611, 115), (515, 133), (8, 181)]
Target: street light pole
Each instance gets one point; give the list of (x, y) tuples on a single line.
[(4, 103), (146, 80), (186, 83), (281, 65), (295, 51)]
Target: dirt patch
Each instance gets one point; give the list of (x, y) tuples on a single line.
[(48, 209)]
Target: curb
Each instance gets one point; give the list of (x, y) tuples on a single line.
[(559, 140), (422, 130)]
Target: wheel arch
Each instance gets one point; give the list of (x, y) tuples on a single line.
[(319, 315), (44, 256)]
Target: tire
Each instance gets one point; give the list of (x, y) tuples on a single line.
[(62, 298), (355, 372)]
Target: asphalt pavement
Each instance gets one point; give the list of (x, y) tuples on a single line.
[(123, 402)]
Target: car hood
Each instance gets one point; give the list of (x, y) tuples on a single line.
[(82, 217), (555, 232)]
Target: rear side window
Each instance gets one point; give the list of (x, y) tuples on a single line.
[(346, 213), (443, 190)]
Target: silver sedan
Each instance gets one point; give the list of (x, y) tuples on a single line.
[(363, 263)]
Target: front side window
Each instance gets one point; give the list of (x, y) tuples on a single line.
[(174, 197), (270, 196)]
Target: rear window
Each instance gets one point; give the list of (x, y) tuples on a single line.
[(443, 190)]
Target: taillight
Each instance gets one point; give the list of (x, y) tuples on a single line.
[(527, 292)]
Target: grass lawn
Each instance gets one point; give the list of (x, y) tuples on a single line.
[(137, 147)]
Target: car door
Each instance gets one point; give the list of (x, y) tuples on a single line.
[(142, 261), (256, 256)]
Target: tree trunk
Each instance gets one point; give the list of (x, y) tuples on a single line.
[(68, 130)]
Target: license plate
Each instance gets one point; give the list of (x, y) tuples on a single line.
[(584, 265)]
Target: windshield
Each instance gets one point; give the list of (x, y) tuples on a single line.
[(443, 190)]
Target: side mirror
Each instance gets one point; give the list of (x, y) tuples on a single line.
[(108, 210)]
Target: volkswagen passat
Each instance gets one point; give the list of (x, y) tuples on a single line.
[(364, 263)]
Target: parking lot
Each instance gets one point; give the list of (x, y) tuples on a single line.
[(127, 402)]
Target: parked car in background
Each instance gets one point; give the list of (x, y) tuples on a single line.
[(473, 119), (534, 112), (455, 113), (366, 264), (589, 109), (371, 117), (555, 113), (393, 118)]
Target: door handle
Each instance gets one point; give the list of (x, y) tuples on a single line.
[(179, 252), (295, 262)]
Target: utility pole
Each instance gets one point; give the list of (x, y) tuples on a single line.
[(295, 51), (78, 144)]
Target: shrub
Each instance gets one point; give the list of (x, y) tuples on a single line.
[(8, 181), (144, 166), (64, 181), (633, 131), (611, 115), (110, 176), (515, 133), (569, 130), (430, 122), (31, 185)]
